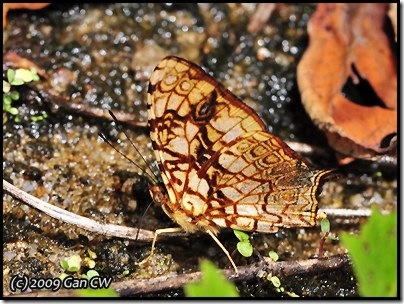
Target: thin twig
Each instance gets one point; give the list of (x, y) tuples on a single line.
[(346, 213), (74, 219), (56, 103), (248, 272), (349, 213)]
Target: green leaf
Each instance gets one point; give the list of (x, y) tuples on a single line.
[(273, 255), (64, 264), (24, 74), (92, 273), (242, 236), (34, 74), (275, 281), (374, 255), (6, 100), (6, 87), (325, 225), (17, 82), (245, 248), (74, 263), (13, 111), (102, 292), (14, 95), (10, 75), (212, 284)]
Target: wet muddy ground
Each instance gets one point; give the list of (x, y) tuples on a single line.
[(101, 56)]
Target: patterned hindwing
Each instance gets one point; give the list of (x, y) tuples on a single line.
[(257, 183), (191, 117)]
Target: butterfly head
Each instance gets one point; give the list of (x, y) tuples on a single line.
[(158, 193)]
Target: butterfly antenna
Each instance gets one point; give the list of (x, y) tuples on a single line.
[(133, 145), (123, 155)]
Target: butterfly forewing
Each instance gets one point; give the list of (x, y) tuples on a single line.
[(219, 166), (191, 116)]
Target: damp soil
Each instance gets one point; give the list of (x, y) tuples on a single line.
[(102, 56)]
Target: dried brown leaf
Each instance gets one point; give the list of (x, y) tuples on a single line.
[(348, 45)]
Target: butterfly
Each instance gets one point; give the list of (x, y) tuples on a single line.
[(219, 166)]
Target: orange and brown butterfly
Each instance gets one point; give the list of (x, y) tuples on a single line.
[(219, 166)]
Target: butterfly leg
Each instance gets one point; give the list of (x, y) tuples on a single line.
[(224, 250), (156, 233)]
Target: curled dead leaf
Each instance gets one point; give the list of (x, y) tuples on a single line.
[(349, 50)]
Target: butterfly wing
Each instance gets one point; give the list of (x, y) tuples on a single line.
[(218, 164), (191, 117), (259, 184)]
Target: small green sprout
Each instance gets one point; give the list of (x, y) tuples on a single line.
[(273, 255), (325, 225), (16, 78), (90, 274), (72, 264), (275, 281), (243, 246)]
